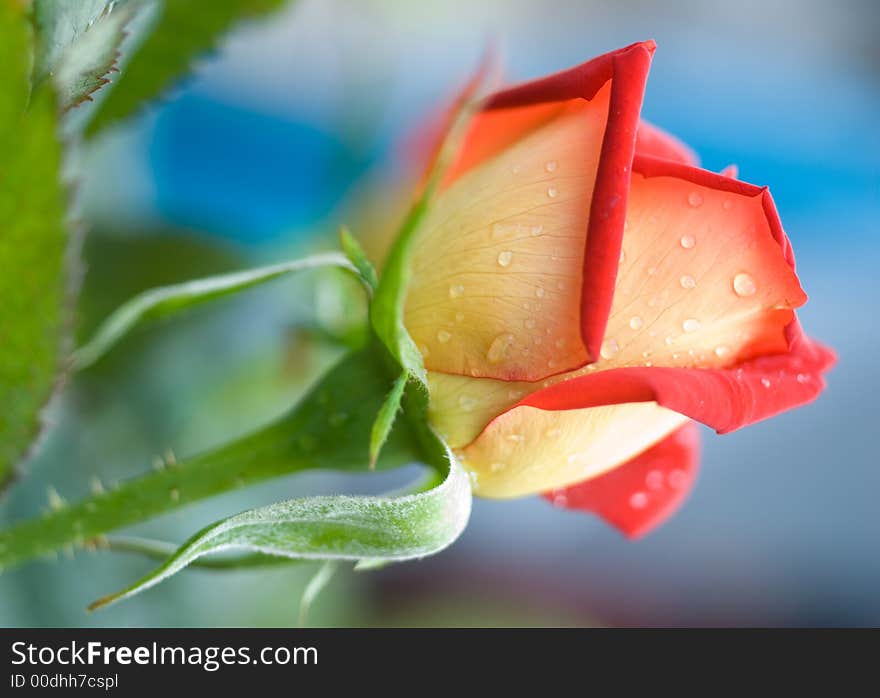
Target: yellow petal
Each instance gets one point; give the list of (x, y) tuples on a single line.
[(528, 450), (496, 282)]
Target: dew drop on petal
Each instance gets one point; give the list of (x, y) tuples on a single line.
[(765, 382), (727, 205), (677, 479), (609, 348), (529, 324), (552, 192), (497, 467), (540, 292), (695, 199), (505, 258), (459, 317), (688, 241), (690, 325), (636, 323), (443, 336), (638, 500), (721, 351), (744, 284), (466, 402), (498, 349), (456, 290), (687, 281), (654, 480), (552, 433), (551, 165)]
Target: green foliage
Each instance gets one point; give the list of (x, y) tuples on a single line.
[(358, 257), (184, 30), (385, 419), (33, 244), (160, 302), (329, 429), (78, 44), (335, 528)]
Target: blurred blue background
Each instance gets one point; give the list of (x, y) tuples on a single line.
[(274, 141)]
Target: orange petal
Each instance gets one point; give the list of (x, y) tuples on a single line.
[(528, 450), (703, 280)]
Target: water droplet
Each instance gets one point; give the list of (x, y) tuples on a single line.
[(423, 348), (687, 281), (695, 199), (727, 205), (537, 230), (529, 323), (504, 258), (551, 363), (609, 348), (497, 467), (676, 355), (803, 378), (515, 169), (636, 323), (765, 382), (514, 394), (540, 292), (638, 500), (646, 354), (574, 457), (652, 271), (559, 343), (721, 351), (459, 317), (690, 325), (552, 192), (668, 341), (456, 290), (688, 241), (677, 479), (654, 480), (516, 438), (551, 165), (653, 302), (498, 349), (744, 284), (622, 256), (552, 433), (466, 402), (443, 336)]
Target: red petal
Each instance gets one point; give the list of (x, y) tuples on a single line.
[(725, 399), (639, 495), (627, 70), (655, 142)]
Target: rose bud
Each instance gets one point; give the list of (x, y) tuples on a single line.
[(581, 291)]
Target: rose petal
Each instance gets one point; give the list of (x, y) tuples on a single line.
[(725, 399), (705, 277), (639, 495), (543, 173), (528, 450), (655, 142)]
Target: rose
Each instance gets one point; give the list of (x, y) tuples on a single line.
[(581, 291)]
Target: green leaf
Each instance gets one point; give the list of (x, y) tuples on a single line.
[(33, 245), (184, 30), (385, 419), (160, 550), (332, 528), (386, 310), (358, 257), (328, 429), (316, 585), (78, 44), (162, 301)]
